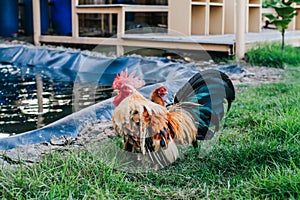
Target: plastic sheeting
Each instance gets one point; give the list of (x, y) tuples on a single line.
[(81, 70)]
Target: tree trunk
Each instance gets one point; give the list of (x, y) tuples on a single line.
[(282, 39)]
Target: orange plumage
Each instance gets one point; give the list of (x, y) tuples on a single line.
[(158, 94), (148, 126)]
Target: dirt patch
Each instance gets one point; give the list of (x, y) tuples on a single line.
[(95, 132), (256, 75)]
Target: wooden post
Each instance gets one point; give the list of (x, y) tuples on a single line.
[(75, 23), (39, 92), (39, 96), (36, 22), (110, 20), (120, 31), (240, 28)]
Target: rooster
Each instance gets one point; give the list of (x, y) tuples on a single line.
[(148, 126), (158, 94)]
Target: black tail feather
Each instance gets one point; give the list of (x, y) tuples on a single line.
[(208, 89)]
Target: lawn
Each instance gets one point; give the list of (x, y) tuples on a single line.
[(256, 157)]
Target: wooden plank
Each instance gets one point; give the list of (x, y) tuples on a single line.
[(183, 46), (36, 22), (227, 39), (216, 4), (116, 8), (129, 6), (89, 10), (199, 3), (146, 8), (80, 40), (254, 5), (138, 43)]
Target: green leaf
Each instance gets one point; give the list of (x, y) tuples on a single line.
[(282, 24), (295, 1), (286, 11), (279, 26), (270, 16)]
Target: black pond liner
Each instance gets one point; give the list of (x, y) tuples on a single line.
[(82, 70)]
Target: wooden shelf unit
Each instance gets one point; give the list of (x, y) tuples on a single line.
[(205, 17), (198, 17), (253, 16)]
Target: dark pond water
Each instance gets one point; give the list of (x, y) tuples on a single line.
[(30, 100)]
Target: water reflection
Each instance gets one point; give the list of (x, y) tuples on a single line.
[(30, 99)]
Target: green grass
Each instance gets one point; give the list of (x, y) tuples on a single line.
[(257, 157), (271, 55)]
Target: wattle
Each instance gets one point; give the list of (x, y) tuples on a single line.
[(117, 100)]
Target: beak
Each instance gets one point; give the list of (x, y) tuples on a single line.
[(164, 93), (115, 92)]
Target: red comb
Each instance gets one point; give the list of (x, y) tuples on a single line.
[(124, 78)]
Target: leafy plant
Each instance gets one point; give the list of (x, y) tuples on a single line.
[(284, 15), (268, 3), (271, 55)]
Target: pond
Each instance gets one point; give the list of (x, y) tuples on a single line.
[(30, 101)]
